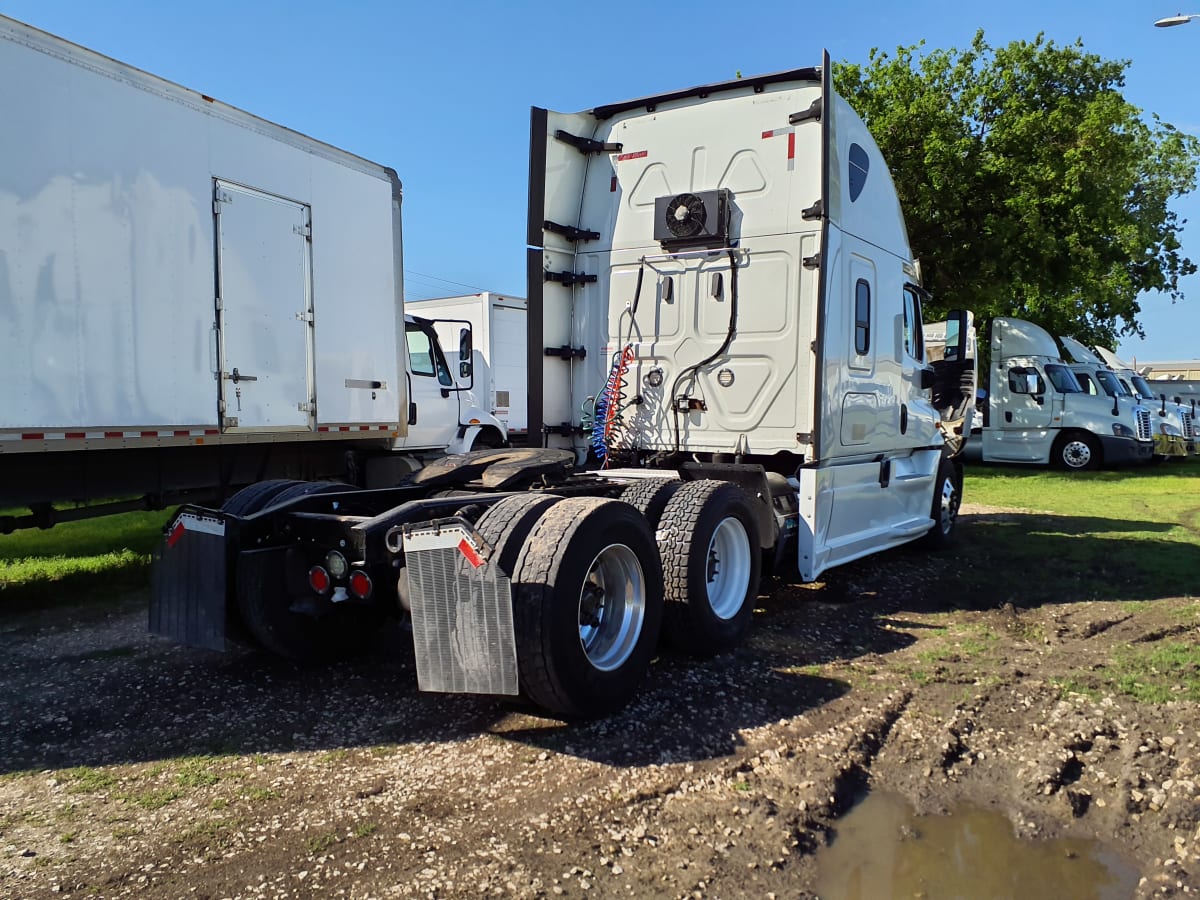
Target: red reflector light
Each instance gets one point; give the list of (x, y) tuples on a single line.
[(360, 584), (318, 579)]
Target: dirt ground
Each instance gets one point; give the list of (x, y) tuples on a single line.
[(133, 767)]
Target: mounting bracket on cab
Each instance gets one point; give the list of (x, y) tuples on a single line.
[(570, 232), (587, 145), (566, 352), (566, 429), (569, 278)]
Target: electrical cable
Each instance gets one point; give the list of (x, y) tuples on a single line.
[(683, 373)]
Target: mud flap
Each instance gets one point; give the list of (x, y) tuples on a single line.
[(187, 599), (462, 618)]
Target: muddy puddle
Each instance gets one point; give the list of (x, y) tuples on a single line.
[(884, 850)]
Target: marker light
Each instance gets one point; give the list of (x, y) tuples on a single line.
[(336, 563)]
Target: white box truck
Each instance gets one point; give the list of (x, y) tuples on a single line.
[(487, 332), (1038, 413), (192, 298), (724, 271)]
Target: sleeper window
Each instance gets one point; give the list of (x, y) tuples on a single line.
[(862, 317)]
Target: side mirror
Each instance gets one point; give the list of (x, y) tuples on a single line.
[(464, 368), (927, 377)]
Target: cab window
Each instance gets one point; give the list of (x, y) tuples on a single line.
[(1086, 382), (424, 355), (914, 337), (1063, 379)]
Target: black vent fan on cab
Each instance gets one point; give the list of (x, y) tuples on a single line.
[(699, 219)]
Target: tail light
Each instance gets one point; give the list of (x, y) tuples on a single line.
[(318, 579), (360, 584)]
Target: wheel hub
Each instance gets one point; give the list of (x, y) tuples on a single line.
[(728, 568), (612, 607)]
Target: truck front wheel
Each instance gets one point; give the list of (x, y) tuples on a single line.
[(587, 607), (947, 498), (1077, 451), (711, 566)]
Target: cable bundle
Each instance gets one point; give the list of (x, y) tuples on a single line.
[(610, 402)]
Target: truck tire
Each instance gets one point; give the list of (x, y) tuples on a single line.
[(1076, 451), (650, 497), (711, 566), (587, 607), (947, 498), (507, 524), (265, 606), (257, 496), (306, 489)]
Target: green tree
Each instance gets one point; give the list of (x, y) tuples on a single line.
[(1031, 187)]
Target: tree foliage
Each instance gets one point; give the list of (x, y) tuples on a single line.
[(1031, 187)]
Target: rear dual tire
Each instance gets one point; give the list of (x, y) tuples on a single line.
[(712, 562), (587, 599)]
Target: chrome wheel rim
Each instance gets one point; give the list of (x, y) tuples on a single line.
[(948, 509), (1077, 454), (612, 607), (727, 574)]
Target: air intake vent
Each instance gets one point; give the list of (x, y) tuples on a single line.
[(698, 219), (1189, 427), (1144, 431)]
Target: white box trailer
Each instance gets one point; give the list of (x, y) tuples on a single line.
[(487, 331), (726, 356), (190, 296)]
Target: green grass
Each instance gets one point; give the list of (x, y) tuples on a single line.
[(111, 551), (1131, 534), (1158, 674)]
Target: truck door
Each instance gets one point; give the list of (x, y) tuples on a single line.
[(264, 311), (433, 408)]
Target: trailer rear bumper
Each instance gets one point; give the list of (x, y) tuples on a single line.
[(188, 580)]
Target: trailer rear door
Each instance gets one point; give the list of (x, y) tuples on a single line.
[(264, 311)]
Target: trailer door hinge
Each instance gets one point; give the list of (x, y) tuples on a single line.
[(219, 197), (305, 407), (812, 262), (566, 352), (813, 112), (305, 316), (570, 232), (569, 278), (586, 145), (815, 211), (303, 230)]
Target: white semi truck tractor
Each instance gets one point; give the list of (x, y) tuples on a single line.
[(726, 365), (1174, 415), (1037, 412)]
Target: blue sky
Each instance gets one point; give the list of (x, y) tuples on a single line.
[(441, 91)]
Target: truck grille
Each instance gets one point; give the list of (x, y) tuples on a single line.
[(1144, 431), (1189, 427), (462, 619)]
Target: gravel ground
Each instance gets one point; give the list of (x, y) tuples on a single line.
[(133, 767)]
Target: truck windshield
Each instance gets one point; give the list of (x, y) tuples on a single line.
[(1063, 379), (1108, 381), (1143, 388)]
